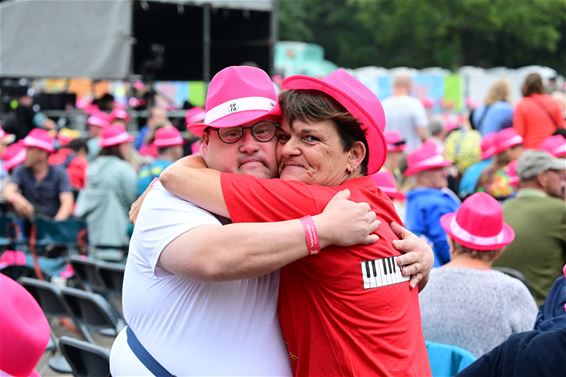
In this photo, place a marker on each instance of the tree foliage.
(424, 33)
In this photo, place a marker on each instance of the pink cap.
(394, 141)
(114, 135)
(487, 146)
(505, 139)
(168, 137)
(425, 157)
(555, 145)
(40, 138)
(24, 328)
(478, 224)
(194, 115)
(428, 103)
(511, 170)
(386, 182)
(14, 155)
(237, 96)
(361, 102)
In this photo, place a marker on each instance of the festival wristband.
(311, 235)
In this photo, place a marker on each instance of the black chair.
(86, 271)
(85, 359)
(10, 235)
(514, 274)
(112, 277)
(54, 238)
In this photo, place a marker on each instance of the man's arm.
(21, 205)
(66, 207)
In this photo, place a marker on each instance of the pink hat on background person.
(428, 103)
(478, 224)
(168, 137)
(425, 157)
(14, 155)
(555, 145)
(99, 119)
(24, 330)
(114, 134)
(236, 96)
(40, 139)
(119, 114)
(360, 102)
(487, 146)
(511, 170)
(194, 115)
(394, 141)
(386, 182)
(505, 139)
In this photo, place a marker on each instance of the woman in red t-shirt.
(347, 311)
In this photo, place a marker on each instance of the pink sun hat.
(168, 137)
(425, 157)
(98, 119)
(14, 155)
(478, 224)
(236, 96)
(394, 141)
(505, 139)
(40, 139)
(361, 102)
(24, 330)
(386, 182)
(487, 146)
(511, 170)
(114, 135)
(194, 115)
(555, 145)
(120, 114)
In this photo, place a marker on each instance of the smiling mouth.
(251, 162)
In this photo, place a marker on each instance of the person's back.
(405, 115)
(493, 118)
(115, 175)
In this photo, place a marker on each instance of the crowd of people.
(291, 240)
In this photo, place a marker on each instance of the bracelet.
(311, 235)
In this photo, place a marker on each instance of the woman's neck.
(466, 261)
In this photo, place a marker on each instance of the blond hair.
(500, 90)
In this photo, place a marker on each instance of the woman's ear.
(356, 155)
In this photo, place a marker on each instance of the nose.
(290, 148)
(248, 143)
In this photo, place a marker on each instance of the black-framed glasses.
(263, 132)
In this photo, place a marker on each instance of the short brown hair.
(532, 85)
(315, 106)
(484, 255)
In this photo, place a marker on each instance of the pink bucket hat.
(394, 141)
(505, 139)
(114, 135)
(386, 182)
(487, 146)
(478, 224)
(14, 155)
(361, 102)
(168, 137)
(194, 115)
(425, 157)
(24, 330)
(40, 138)
(555, 145)
(236, 96)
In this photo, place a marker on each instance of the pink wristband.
(311, 235)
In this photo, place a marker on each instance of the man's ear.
(204, 143)
(356, 155)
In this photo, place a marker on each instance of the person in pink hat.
(24, 330)
(13, 156)
(555, 145)
(396, 148)
(385, 180)
(330, 139)
(430, 198)
(37, 188)
(169, 144)
(5, 140)
(471, 176)
(467, 303)
(96, 122)
(494, 179)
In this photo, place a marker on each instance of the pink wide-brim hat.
(99, 119)
(505, 139)
(168, 137)
(40, 139)
(386, 182)
(358, 100)
(487, 146)
(119, 113)
(478, 224)
(425, 157)
(237, 96)
(14, 155)
(114, 135)
(24, 330)
(555, 145)
(194, 115)
(394, 141)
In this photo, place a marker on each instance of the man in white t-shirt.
(176, 298)
(405, 114)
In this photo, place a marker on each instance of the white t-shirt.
(405, 114)
(192, 327)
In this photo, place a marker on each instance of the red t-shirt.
(331, 325)
(536, 117)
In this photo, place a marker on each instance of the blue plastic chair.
(447, 360)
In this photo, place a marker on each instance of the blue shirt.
(471, 178)
(498, 116)
(148, 173)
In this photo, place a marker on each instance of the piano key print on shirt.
(381, 272)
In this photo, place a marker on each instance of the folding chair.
(447, 360)
(50, 236)
(514, 274)
(86, 359)
(86, 271)
(112, 277)
(10, 235)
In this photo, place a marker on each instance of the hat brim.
(508, 235)
(412, 171)
(129, 139)
(375, 139)
(235, 120)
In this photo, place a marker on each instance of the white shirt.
(192, 327)
(405, 114)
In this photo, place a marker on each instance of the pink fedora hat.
(555, 145)
(236, 96)
(487, 146)
(505, 139)
(120, 114)
(114, 135)
(386, 182)
(478, 224)
(168, 137)
(99, 119)
(24, 330)
(14, 155)
(425, 157)
(361, 102)
(40, 138)
(394, 141)
(511, 170)
(194, 115)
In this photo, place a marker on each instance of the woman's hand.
(417, 259)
